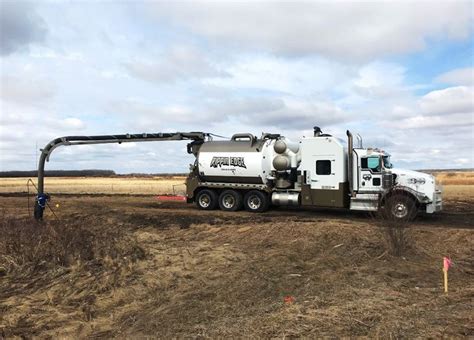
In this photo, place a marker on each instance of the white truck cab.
(377, 184)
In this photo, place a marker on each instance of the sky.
(399, 73)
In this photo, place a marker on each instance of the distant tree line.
(60, 173)
(165, 174)
(82, 173)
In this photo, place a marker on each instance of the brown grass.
(153, 185)
(131, 267)
(98, 185)
(218, 275)
(27, 243)
(455, 178)
(62, 267)
(458, 192)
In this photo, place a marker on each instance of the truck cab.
(358, 178)
(377, 184)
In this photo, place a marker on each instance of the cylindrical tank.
(286, 198)
(244, 159)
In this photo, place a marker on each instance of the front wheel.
(400, 208)
(256, 201)
(206, 199)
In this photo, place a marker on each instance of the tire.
(256, 201)
(206, 199)
(230, 200)
(400, 208)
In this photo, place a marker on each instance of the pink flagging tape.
(446, 263)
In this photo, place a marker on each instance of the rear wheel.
(401, 208)
(206, 199)
(230, 200)
(256, 201)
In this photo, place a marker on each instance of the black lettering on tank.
(228, 161)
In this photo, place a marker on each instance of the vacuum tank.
(246, 159)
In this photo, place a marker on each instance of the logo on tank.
(228, 161)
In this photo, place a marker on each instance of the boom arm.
(196, 137)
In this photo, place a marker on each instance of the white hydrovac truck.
(255, 173)
(318, 171)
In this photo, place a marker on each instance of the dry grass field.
(128, 266)
(98, 185)
(455, 184)
(455, 177)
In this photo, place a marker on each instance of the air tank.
(287, 155)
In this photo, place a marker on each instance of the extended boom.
(197, 139)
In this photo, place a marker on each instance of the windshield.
(386, 162)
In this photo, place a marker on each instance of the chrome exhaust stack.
(350, 162)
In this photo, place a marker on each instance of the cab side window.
(372, 163)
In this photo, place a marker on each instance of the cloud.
(345, 30)
(447, 108)
(263, 72)
(380, 80)
(460, 76)
(47, 123)
(139, 113)
(20, 26)
(26, 89)
(286, 113)
(255, 111)
(24, 131)
(458, 99)
(430, 122)
(178, 63)
(227, 67)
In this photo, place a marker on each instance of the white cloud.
(284, 112)
(459, 99)
(180, 62)
(293, 113)
(345, 30)
(428, 122)
(440, 109)
(48, 53)
(298, 76)
(27, 88)
(463, 161)
(238, 67)
(460, 76)
(70, 124)
(380, 80)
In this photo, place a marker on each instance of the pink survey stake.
(446, 263)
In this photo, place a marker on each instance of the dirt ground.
(115, 266)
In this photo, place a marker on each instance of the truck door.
(370, 174)
(321, 176)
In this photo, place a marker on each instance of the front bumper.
(437, 204)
